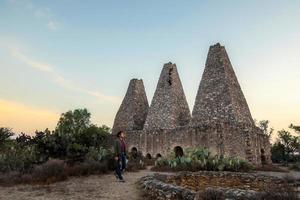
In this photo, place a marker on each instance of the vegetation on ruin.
(195, 159)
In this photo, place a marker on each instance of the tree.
(290, 143)
(73, 122)
(295, 128)
(264, 126)
(23, 139)
(277, 152)
(74, 135)
(5, 137)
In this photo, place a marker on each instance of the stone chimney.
(220, 98)
(169, 108)
(134, 108)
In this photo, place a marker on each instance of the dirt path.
(104, 187)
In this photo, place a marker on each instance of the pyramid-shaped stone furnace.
(221, 119)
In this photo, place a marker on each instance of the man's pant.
(121, 165)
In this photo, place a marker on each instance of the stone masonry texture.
(134, 108)
(221, 119)
(169, 108)
(190, 185)
(220, 98)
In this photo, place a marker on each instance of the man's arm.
(117, 150)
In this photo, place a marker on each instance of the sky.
(60, 55)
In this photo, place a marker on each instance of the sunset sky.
(65, 54)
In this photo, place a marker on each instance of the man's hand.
(116, 158)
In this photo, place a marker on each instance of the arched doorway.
(148, 156)
(263, 157)
(134, 152)
(178, 151)
(158, 155)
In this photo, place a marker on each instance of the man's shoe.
(116, 175)
(122, 180)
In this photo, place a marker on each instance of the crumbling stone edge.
(156, 187)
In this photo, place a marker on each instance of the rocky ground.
(104, 187)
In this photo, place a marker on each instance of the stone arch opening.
(263, 156)
(178, 151)
(134, 149)
(148, 156)
(158, 155)
(134, 152)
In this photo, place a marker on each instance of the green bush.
(195, 159)
(17, 159)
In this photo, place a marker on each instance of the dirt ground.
(104, 187)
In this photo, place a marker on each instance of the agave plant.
(202, 159)
(162, 162)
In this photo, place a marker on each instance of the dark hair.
(119, 133)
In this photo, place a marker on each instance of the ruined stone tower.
(134, 108)
(169, 108)
(221, 119)
(220, 98)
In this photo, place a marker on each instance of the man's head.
(121, 134)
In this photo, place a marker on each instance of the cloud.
(52, 25)
(60, 80)
(34, 64)
(42, 13)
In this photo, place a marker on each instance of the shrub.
(87, 168)
(10, 178)
(160, 162)
(135, 165)
(53, 171)
(97, 154)
(201, 159)
(49, 172)
(17, 159)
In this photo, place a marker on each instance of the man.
(120, 155)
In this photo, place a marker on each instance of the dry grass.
(53, 171)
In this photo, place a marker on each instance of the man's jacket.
(117, 147)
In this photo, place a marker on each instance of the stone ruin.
(221, 120)
(224, 185)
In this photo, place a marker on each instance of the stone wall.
(221, 139)
(190, 185)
